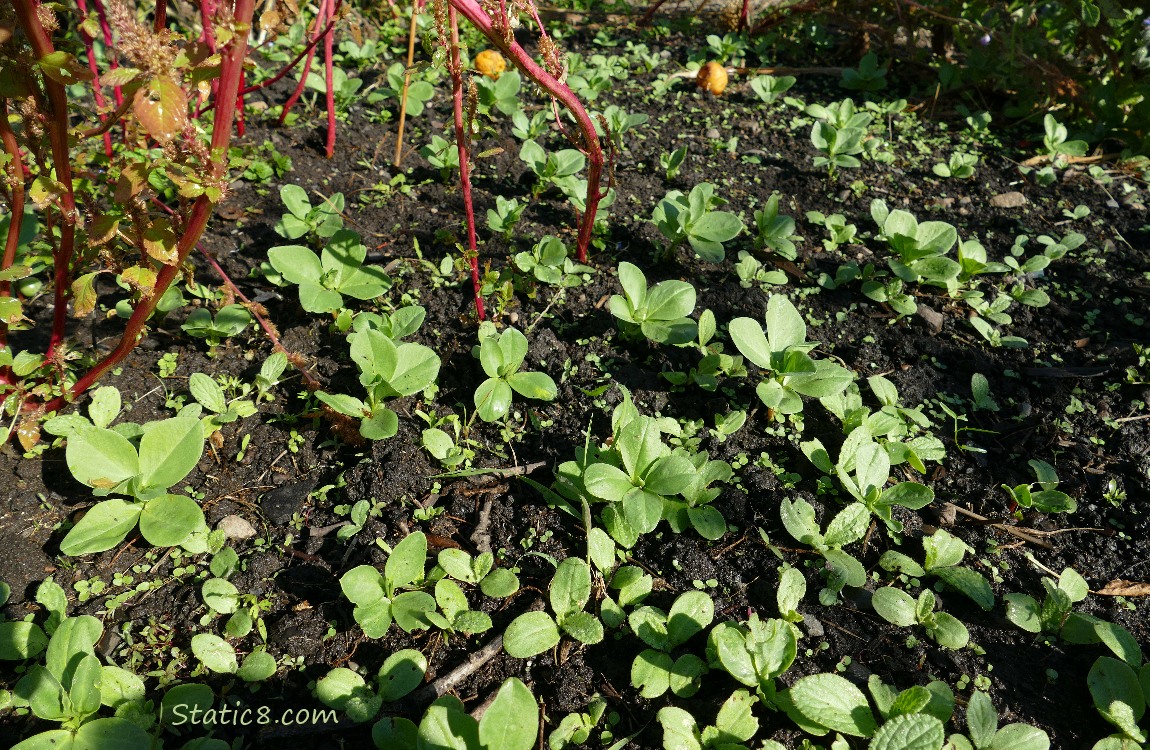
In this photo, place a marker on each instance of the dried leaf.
(162, 108)
(139, 278)
(160, 241)
(84, 295)
(28, 433)
(1120, 587)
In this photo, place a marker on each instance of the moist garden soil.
(1065, 399)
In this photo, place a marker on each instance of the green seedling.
(770, 88)
(501, 94)
(549, 263)
(344, 88)
(892, 292)
(479, 571)
(897, 607)
(921, 247)
(511, 722)
(849, 526)
(576, 728)
(839, 146)
(21, 640)
(823, 703)
(211, 396)
(755, 653)
(387, 370)
(660, 312)
(302, 218)
(935, 699)
(1046, 500)
(868, 76)
(338, 270)
(533, 633)
(347, 691)
(694, 511)
(219, 656)
(944, 553)
(270, 375)
(504, 216)
(502, 355)
(672, 161)
(792, 589)
(734, 725)
(1119, 690)
(863, 469)
(455, 615)
(692, 218)
(632, 584)
(442, 155)
(230, 320)
(712, 364)
(1056, 615)
(141, 462)
(377, 596)
(619, 123)
(728, 48)
(525, 129)
(396, 326)
(960, 165)
(1055, 140)
(449, 451)
(841, 232)
(419, 92)
(551, 169)
(774, 232)
(654, 671)
(752, 272)
(983, 732)
(71, 687)
(782, 352)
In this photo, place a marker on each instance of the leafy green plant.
(338, 270)
(570, 590)
(479, 571)
(551, 169)
(983, 732)
(442, 155)
(502, 355)
(302, 218)
(619, 123)
(921, 247)
(500, 94)
(660, 312)
(229, 320)
(387, 370)
(211, 396)
(504, 216)
(549, 263)
(840, 145)
(868, 76)
(1055, 140)
(654, 671)
(755, 653)
(672, 161)
(712, 364)
(897, 607)
(138, 461)
(863, 469)
(219, 656)
(774, 232)
(71, 687)
(576, 728)
(525, 129)
(734, 724)
(769, 88)
(839, 230)
(944, 553)
(1119, 689)
(782, 352)
(694, 511)
(1056, 612)
(511, 722)
(377, 597)
(1048, 499)
(419, 91)
(346, 690)
(692, 218)
(847, 527)
(960, 165)
(344, 88)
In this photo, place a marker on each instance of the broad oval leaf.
(102, 527)
(169, 520)
(831, 701)
(910, 732)
(537, 385)
(101, 458)
(401, 673)
(169, 450)
(530, 634)
(895, 606)
(670, 300)
(571, 587)
(511, 722)
(216, 653)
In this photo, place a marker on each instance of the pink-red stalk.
(328, 76)
(320, 16)
(16, 221)
(96, 90)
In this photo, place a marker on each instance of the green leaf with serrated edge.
(691, 613)
(407, 560)
(943, 549)
(216, 653)
(845, 567)
(895, 606)
(511, 722)
(833, 702)
(401, 673)
(102, 527)
(457, 564)
(981, 719)
(910, 701)
(910, 495)
(848, 526)
(651, 673)
(570, 587)
(970, 583)
(910, 732)
(208, 392)
(792, 589)
(817, 455)
(650, 624)
(51, 596)
(601, 550)
(169, 520)
(530, 634)
(897, 562)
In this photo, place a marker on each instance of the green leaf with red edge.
(161, 107)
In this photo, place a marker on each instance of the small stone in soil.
(235, 527)
(1013, 199)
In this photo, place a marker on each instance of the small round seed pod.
(490, 63)
(712, 77)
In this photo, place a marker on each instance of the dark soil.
(1066, 399)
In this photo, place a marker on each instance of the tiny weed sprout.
(377, 597)
(347, 691)
(944, 552)
(504, 216)
(672, 161)
(1047, 499)
(441, 155)
(229, 321)
(510, 722)
(502, 355)
(847, 527)
(338, 270)
(535, 632)
(418, 92)
(840, 134)
(1055, 140)
(576, 728)
(303, 219)
(770, 88)
(960, 165)
(211, 396)
(619, 123)
(692, 218)
(897, 607)
(659, 313)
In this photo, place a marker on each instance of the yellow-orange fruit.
(712, 77)
(490, 63)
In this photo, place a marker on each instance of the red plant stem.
(473, 12)
(310, 48)
(161, 19)
(328, 66)
(97, 92)
(106, 32)
(321, 14)
(461, 143)
(16, 199)
(61, 159)
(240, 108)
(207, 35)
(232, 61)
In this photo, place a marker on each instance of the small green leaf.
(831, 701)
(216, 653)
(511, 722)
(530, 634)
(169, 520)
(257, 666)
(102, 527)
(401, 673)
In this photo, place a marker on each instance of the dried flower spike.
(712, 77)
